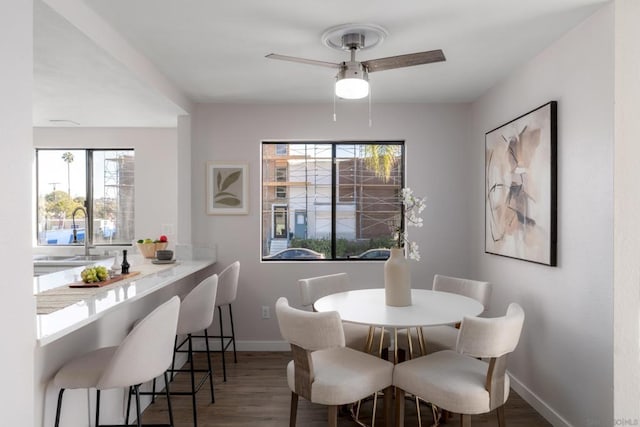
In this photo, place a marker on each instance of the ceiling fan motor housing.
(353, 70)
(352, 81)
(353, 41)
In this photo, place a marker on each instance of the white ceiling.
(214, 51)
(77, 82)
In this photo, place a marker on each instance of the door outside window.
(280, 222)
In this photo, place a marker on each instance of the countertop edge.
(186, 268)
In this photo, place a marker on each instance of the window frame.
(89, 183)
(334, 190)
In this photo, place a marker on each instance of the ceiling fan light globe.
(352, 88)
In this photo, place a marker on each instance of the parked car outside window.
(296, 253)
(381, 253)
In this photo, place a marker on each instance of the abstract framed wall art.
(520, 187)
(227, 188)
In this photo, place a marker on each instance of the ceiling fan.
(352, 80)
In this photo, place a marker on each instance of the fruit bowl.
(148, 250)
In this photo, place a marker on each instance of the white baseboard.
(538, 404)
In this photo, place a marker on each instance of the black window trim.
(88, 191)
(334, 143)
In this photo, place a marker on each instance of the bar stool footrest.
(129, 425)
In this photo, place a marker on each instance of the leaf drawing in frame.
(228, 188)
(227, 198)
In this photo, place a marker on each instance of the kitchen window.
(330, 200)
(100, 182)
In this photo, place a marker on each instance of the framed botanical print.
(227, 188)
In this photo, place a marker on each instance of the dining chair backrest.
(309, 330)
(478, 290)
(228, 284)
(197, 308)
(314, 288)
(147, 350)
(491, 337)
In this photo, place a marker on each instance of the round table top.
(429, 308)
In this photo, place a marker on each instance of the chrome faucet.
(87, 235)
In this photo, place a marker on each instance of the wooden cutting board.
(104, 282)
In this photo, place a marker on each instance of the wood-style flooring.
(256, 394)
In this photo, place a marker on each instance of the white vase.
(397, 279)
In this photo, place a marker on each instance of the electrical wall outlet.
(266, 312)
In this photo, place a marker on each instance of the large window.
(100, 182)
(330, 200)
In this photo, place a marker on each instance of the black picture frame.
(521, 187)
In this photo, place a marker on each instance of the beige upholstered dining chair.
(323, 370)
(459, 381)
(144, 354)
(444, 337)
(314, 288)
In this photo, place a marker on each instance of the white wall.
(183, 225)
(627, 213)
(565, 356)
(17, 308)
(156, 180)
(436, 166)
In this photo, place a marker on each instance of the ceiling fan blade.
(407, 60)
(302, 60)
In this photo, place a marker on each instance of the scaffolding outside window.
(102, 181)
(330, 200)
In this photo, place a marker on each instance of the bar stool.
(196, 314)
(227, 291)
(144, 354)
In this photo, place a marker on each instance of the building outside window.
(330, 200)
(101, 181)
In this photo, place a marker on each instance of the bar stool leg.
(193, 384)
(173, 366)
(136, 388)
(153, 395)
(168, 394)
(126, 420)
(224, 366)
(97, 407)
(233, 336)
(173, 360)
(59, 407)
(206, 340)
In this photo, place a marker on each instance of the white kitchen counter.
(53, 326)
(99, 320)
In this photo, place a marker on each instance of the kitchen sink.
(45, 264)
(67, 260)
(51, 257)
(90, 257)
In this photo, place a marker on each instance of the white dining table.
(428, 308)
